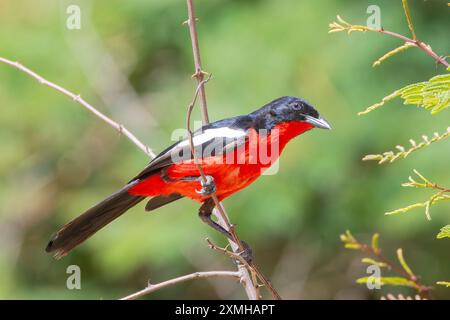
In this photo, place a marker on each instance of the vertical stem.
(199, 73)
(219, 212)
(408, 18)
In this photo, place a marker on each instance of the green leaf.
(391, 156)
(444, 283)
(444, 233)
(389, 281)
(375, 241)
(408, 18)
(403, 263)
(432, 95)
(349, 241)
(374, 262)
(403, 47)
(353, 246)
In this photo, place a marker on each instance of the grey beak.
(318, 122)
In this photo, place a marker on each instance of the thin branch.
(222, 217)
(197, 162)
(421, 288)
(247, 282)
(408, 18)
(196, 275)
(391, 156)
(199, 75)
(404, 271)
(188, 126)
(419, 44)
(343, 25)
(200, 91)
(265, 282)
(77, 98)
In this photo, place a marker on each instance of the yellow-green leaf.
(375, 240)
(374, 262)
(432, 95)
(403, 263)
(444, 283)
(444, 233)
(389, 281)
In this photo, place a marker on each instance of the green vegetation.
(133, 61)
(433, 95)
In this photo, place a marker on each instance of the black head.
(286, 109)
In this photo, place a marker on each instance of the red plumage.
(229, 178)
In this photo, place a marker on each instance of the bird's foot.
(208, 186)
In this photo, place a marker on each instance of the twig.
(77, 98)
(405, 272)
(199, 75)
(200, 92)
(342, 25)
(417, 43)
(196, 275)
(247, 282)
(408, 18)
(425, 183)
(225, 251)
(200, 169)
(266, 282)
(391, 156)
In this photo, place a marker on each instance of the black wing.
(213, 139)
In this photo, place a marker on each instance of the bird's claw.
(208, 186)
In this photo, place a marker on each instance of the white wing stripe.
(211, 134)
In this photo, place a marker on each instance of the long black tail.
(81, 228)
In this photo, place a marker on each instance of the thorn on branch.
(188, 21)
(199, 74)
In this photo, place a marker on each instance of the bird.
(232, 153)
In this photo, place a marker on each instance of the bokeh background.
(133, 61)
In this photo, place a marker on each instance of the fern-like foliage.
(432, 95)
(342, 25)
(442, 194)
(444, 283)
(389, 54)
(444, 233)
(402, 152)
(404, 277)
(390, 281)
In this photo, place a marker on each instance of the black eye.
(296, 106)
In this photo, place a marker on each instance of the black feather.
(160, 201)
(95, 218)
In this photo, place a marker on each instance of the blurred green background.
(133, 61)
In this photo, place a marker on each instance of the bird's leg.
(247, 252)
(205, 212)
